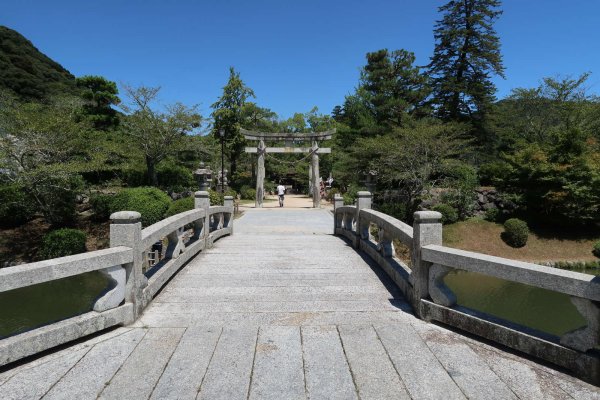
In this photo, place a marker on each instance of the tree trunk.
(151, 171)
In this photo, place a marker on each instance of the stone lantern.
(224, 184)
(369, 180)
(203, 177)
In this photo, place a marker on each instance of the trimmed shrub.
(151, 202)
(63, 242)
(492, 214)
(596, 249)
(174, 177)
(248, 193)
(15, 206)
(515, 232)
(179, 206)
(101, 205)
(350, 195)
(449, 213)
(216, 199)
(134, 177)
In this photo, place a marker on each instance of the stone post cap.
(125, 217)
(363, 194)
(427, 216)
(201, 194)
(226, 197)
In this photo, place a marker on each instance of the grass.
(543, 245)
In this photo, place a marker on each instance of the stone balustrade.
(422, 283)
(123, 262)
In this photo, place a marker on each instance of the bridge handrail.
(554, 279)
(422, 283)
(34, 273)
(157, 231)
(123, 262)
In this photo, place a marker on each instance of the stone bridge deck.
(284, 310)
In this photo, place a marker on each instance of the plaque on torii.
(290, 139)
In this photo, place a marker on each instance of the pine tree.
(227, 115)
(466, 54)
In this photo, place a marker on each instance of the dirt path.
(291, 201)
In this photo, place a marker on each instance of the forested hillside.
(27, 72)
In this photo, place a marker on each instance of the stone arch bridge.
(297, 304)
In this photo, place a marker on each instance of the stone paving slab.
(278, 371)
(281, 310)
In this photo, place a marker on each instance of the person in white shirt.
(280, 192)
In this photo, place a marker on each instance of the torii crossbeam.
(289, 139)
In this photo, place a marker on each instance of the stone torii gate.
(289, 138)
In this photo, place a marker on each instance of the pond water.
(533, 307)
(30, 307)
(34, 306)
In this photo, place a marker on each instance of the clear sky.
(293, 54)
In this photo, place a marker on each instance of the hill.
(27, 72)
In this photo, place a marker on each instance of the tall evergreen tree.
(393, 85)
(466, 55)
(227, 115)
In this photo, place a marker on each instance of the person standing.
(280, 193)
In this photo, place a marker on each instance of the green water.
(30, 307)
(533, 307)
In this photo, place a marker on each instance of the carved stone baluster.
(116, 295)
(585, 338)
(439, 292)
(348, 219)
(176, 245)
(385, 243)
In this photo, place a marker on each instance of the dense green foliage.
(516, 232)
(15, 206)
(27, 73)
(466, 54)
(152, 203)
(101, 206)
(449, 213)
(62, 242)
(100, 94)
(596, 249)
(179, 206)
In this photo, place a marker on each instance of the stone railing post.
(202, 201)
(338, 201)
(228, 218)
(363, 201)
(126, 230)
(427, 229)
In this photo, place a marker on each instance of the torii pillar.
(316, 188)
(260, 174)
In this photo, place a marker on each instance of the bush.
(179, 206)
(134, 177)
(62, 242)
(515, 232)
(330, 196)
(216, 199)
(174, 177)
(350, 195)
(15, 206)
(148, 201)
(449, 214)
(248, 193)
(596, 249)
(493, 214)
(101, 205)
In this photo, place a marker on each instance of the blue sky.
(294, 54)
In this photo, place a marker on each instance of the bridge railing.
(422, 283)
(124, 264)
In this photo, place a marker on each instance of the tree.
(466, 54)
(100, 95)
(227, 116)
(549, 150)
(393, 86)
(43, 149)
(157, 134)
